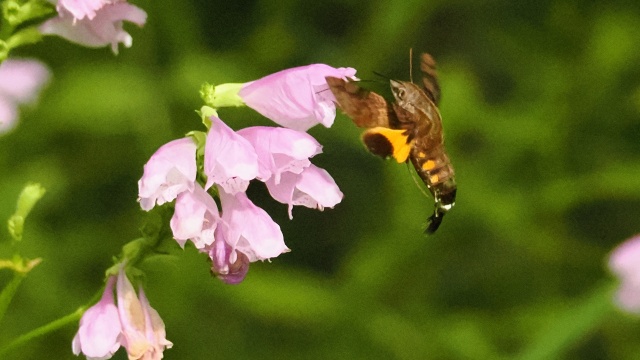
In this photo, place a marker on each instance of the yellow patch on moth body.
(434, 179)
(428, 165)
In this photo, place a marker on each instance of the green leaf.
(29, 196)
(26, 36)
(17, 13)
(4, 51)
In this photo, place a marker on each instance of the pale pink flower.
(229, 159)
(20, 83)
(195, 218)
(280, 150)
(8, 114)
(313, 188)
(154, 329)
(228, 265)
(297, 98)
(142, 328)
(250, 230)
(99, 333)
(103, 28)
(170, 171)
(82, 8)
(132, 324)
(625, 263)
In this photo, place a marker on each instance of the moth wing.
(430, 77)
(366, 108)
(406, 119)
(387, 142)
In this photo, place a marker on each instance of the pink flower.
(154, 329)
(195, 218)
(143, 332)
(170, 171)
(99, 333)
(249, 229)
(280, 150)
(313, 188)
(297, 98)
(95, 27)
(228, 265)
(82, 8)
(229, 159)
(133, 324)
(625, 263)
(20, 82)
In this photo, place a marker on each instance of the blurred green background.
(541, 110)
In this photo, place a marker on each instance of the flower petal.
(20, 83)
(296, 98)
(170, 171)
(625, 263)
(21, 79)
(105, 28)
(99, 333)
(229, 159)
(250, 229)
(132, 318)
(317, 187)
(82, 8)
(313, 188)
(154, 328)
(8, 115)
(228, 265)
(280, 150)
(195, 218)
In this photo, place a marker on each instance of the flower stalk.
(42, 330)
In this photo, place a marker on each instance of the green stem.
(52, 326)
(43, 330)
(574, 324)
(5, 30)
(8, 292)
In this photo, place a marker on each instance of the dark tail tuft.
(433, 223)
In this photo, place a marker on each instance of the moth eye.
(401, 93)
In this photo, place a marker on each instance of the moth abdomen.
(433, 165)
(436, 171)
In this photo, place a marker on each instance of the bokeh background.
(541, 109)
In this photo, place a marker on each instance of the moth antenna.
(411, 64)
(371, 80)
(386, 77)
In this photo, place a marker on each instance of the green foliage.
(541, 109)
(29, 196)
(16, 18)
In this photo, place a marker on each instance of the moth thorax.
(406, 93)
